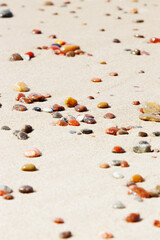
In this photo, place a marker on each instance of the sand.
(69, 183)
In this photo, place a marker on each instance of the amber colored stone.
(156, 223)
(80, 108)
(32, 152)
(52, 36)
(57, 107)
(2, 193)
(136, 103)
(71, 102)
(29, 167)
(141, 192)
(79, 52)
(151, 107)
(118, 149)
(61, 123)
(104, 165)
(67, 234)
(19, 107)
(21, 87)
(19, 96)
(36, 97)
(36, 31)
(137, 178)
(26, 100)
(60, 42)
(73, 122)
(68, 48)
(96, 80)
(109, 116)
(70, 54)
(16, 57)
(103, 105)
(58, 220)
(105, 235)
(114, 74)
(8, 197)
(150, 117)
(91, 97)
(112, 130)
(48, 3)
(133, 217)
(124, 164)
(134, 10)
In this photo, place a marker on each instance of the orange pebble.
(124, 164)
(96, 80)
(104, 165)
(32, 152)
(112, 130)
(156, 223)
(105, 235)
(2, 193)
(73, 122)
(137, 178)
(59, 42)
(141, 192)
(114, 74)
(71, 102)
(62, 123)
(118, 149)
(58, 220)
(19, 96)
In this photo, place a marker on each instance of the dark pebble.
(5, 128)
(26, 189)
(38, 109)
(142, 134)
(67, 234)
(16, 57)
(22, 136)
(27, 129)
(86, 131)
(6, 13)
(116, 40)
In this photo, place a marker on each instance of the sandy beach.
(69, 182)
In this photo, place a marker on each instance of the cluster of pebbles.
(149, 111)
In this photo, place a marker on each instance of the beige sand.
(69, 183)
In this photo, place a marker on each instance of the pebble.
(118, 205)
(150, 117)
(21, 87)
(109, 116)
(5, 189)
(16, 57)
(57, 107)
(47, 110)
(8, 197)
(57, 115)
(135, 102)
(96, 80)
(5, 128)
(29, 167)
(64, 235)
(112, 130)
(103, 105)
(122, 132)
(105, 235)
(135, 190)
(117, 175)
(22, 135)
(104, 165)
(37, 109)
(89, 120)
(116, 163)
(124, 163)
(142, 147)
(73, 122)
(6, 13)
(71, 102)
(86, 131)
(19, 107)
(32, 152)
(113, 74)
(72, 132)
(133, 217)
(36, 31)
(80, 108)
(27, 129)
(142, 134)
(118, 149)
(58, 220)
(156, 223)
(137, 178)
(151, 107)
(48, 3)
(26, 189)
(116, 40)
(136, 52)
(91, 97)
(68, 48)
(156, 134)
(80, 118)
(20, 95)
(61, 123)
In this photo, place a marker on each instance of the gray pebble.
(5, 188)
(5, 128)
(156, 134)
(86, 131)
(72, 131)
(139, 199)
(22, 136)
(116, 163)
(117, 175)
(57, 115)
(118, 205)
(142, 147)
(122, 132)
(6, 13)
(15, 132)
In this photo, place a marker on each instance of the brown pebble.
(124, 164)
(142, 134)
(114, 74)
(96, 80)
(80, 108)
(133, 217)
(27, 129)
(58, 220)
(103, 105)
(29, 167)
(67, 234)
(104, 165)
(109, 116)
(16, 57)
(48, 3)
(135, 102)
(19, 107)
(91, 97)
(26, 189)
(8, 197)
(36, 31)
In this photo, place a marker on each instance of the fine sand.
(69, 183)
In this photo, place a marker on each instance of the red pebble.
(54, 47)
(19, 96)
(30, 54)
(124, 164)
(73, 122)
(58, 220)
(61, 123)
(141, 192)
(36, 31)
(141, 110)
(118, 149)
(114, 74)
(133, 217)
(2, 193)
(156, 223)
(154, 40)
(136, 103)
(105, 235)
(112, 130)
(57, 107)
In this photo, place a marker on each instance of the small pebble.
(142, 134)
(80, 108)
(156, 134)
(64, 235)
(16, 57)
(137, 178)
(29, 167)
(109, 116)
(142, 147)
(124, 163)
(117, 175)
(133, 217)
(113, 74)
(57, 115)
(104, 165)
(136, 52)
(26, 189)
(36, 31)
(118, 149)
(8, 197)
(86, 131)
(116, 40)
(19, 107)
(103, 105)
(5, 128)
(122, 132)
(6, 13)
(135, 102)
(37, 109)
(22, 135)
(33, 152)
(21, 87)
(91, 97)
(58, 220)
(5, 189)
(96, 80)
(47, 110)
(105, 235)
(116, 163)
(27, 129)
(71, 102)
(118, 205)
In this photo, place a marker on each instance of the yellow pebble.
(71, 102)
(21, 87)
(59, 42)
